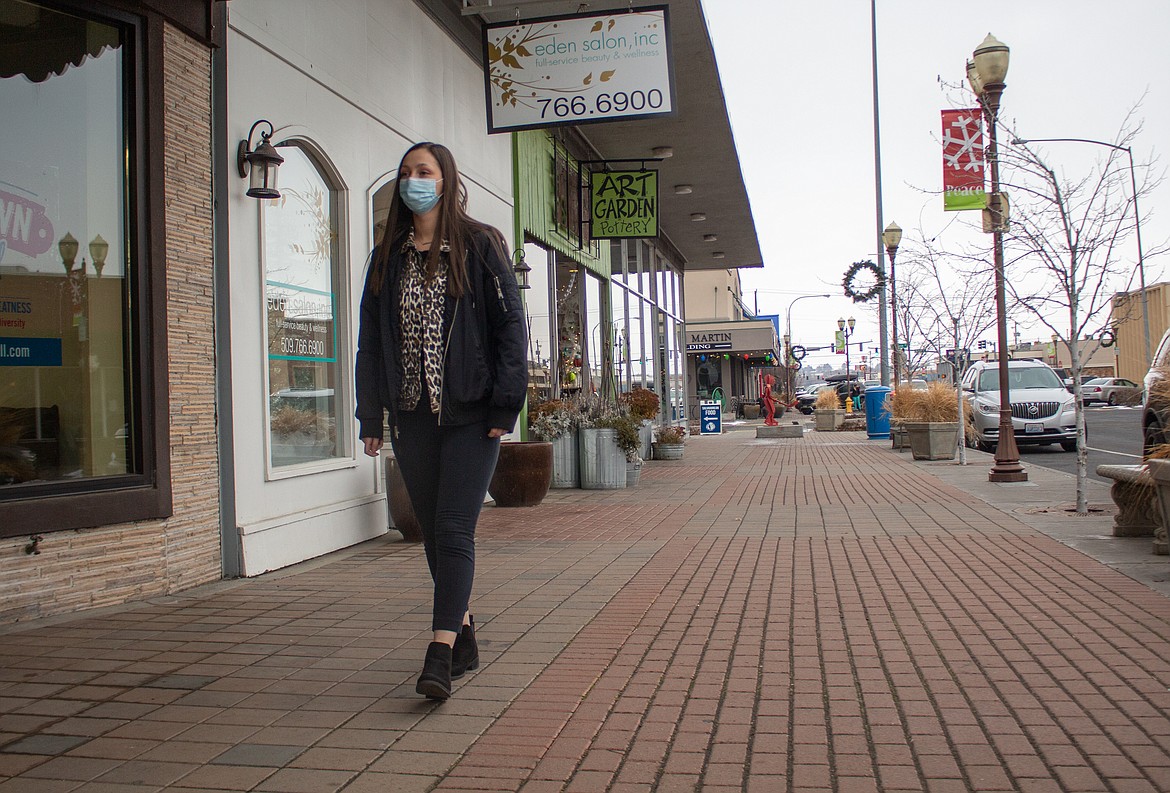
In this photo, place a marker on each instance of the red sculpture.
(769, 401)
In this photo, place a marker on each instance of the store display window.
(71, 412)
(301, 286)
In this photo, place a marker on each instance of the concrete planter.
(899, 440)
(603, 466)
(829, 419)
(751, 411)
(933, 440)
(1160, 473)
(566, 465)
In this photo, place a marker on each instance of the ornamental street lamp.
(986, 72)
(846, 328)
(891, 238)
(1137, 220)
(788, 343)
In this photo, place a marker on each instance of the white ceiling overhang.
(699, 135)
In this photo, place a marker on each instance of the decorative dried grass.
(1160, 387)
(903, 404)
(938, 403)
(827, 399)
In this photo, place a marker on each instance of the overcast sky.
(797, 80)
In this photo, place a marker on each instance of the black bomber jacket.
(485, 364)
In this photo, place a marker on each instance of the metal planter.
(603, 466)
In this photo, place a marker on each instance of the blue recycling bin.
(877, 418)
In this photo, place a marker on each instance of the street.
(1114, 437)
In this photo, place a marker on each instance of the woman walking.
(441, 349)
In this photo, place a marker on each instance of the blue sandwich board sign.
(710, 417)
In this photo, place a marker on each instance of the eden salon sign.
(578, 69)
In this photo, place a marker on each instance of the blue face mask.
(419, 195)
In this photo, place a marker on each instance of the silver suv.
(1043, 411)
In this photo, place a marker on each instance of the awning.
(40, 43)
(699, 136)
(754, 337)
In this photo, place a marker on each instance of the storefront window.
(598, 333)
(301, 271)
(69, 418)
(621, 345)
(648, 346)
(570, 347)
(537, 299)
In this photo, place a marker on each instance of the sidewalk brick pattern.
(792, 615)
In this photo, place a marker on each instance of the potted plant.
(601, 460)
(828, 411)
(643, 405)
(628, 441)
(933, 432)
(669, 442)
(523, 473)
(555, 421)
(903, 405)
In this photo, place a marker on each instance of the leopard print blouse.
(421, 305)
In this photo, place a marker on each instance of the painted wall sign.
(624, 204)
(578, 69)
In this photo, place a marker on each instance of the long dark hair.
(455, 226)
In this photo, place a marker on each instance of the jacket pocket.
(468, 377)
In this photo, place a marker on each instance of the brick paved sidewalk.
(804, 615)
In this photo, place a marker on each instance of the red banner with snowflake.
(962, 137)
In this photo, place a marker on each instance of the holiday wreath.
(863, 295)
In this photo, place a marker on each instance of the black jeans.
(446, 470)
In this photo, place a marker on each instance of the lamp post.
(891, 238)
(846, 328)
(788, 342)
(1137, 220)
(986, 72)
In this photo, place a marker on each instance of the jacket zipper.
(446, 347)
(500, 292)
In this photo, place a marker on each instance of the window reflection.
(65, 394)
(537, 299)
(301, 286)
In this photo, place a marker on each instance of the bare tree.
(938, 293)
(1069, 248)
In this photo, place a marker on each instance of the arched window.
(302, 285)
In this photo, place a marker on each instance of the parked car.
(1043, 411)
(1156, 410)
(1068, 381)
(1104, 389)
(804, 401)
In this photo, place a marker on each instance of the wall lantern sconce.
(259, 163)
(522, 270)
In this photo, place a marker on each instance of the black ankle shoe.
(465, 653)
(435, 680)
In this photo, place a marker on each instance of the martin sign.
(703, 342)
